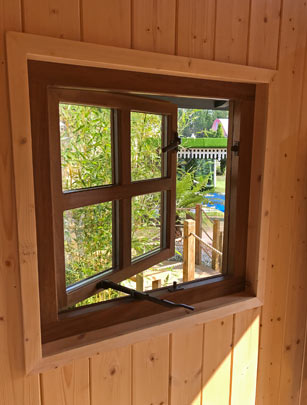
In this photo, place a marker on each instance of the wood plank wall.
(214, 363)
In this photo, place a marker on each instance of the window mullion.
(124, 178)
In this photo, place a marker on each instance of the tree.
(220, 132)
(198, 122)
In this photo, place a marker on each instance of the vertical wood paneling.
(107, 22)
(111, 378)
(15, 388)
(296, 310)
(196, 28)
(154, 25)
(230, 39)
(264, 33)
(245, 357)
(55, 18)
(150, 372)
(68, 385)
(186, 366)
(285, 270)
(231, 31)
(217, 362)
(303, 393)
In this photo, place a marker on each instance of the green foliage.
(198, 122)
(204, 142)
(145, 235)
(190, 190)
(85, 146)
(220, 132)
(145, 146)
(223, 166)
(87, 241)
(86, 153)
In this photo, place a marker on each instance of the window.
(106, 180)
(96, 182)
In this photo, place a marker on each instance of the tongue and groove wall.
(253, 357)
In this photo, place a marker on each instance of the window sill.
(64, 350)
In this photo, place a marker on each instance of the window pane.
(145, 224)
(87, 241)
(86, 151)
(146, 143)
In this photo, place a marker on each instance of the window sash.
(120, 192)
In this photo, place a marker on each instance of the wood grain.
(231, 31)
(196, 28)
(284, 270)
(186, 366)
(107, 22)
(111, 377)
(150, 371)
(264, 33)
(68, 385)
(14, 387)
(245, 357)
(154, 25)
(55, 18)
(296, 310)
(284, 310)
(216, 377)
(189, 250)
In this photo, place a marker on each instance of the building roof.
(223, 122)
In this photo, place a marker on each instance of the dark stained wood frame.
(120, 192)
(44, 76)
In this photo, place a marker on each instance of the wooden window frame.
(47, 168)
(244, 292)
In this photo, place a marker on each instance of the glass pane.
(201, 187)
(146, 143)
(86, 151)
(145, 224)
(87, 241)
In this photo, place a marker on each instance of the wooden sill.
(57, 353)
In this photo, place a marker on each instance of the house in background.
(223, 122)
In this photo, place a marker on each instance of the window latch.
(105, 284)
(173, 145)
(235, 148)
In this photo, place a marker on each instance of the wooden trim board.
(24, 47)
(59, 353)
(48, 49)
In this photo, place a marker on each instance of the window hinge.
(105, 284)
(173, 145)
(236, 148)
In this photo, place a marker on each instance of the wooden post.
(215, 244)
(140, 282)
(198, 227)
(188, 250)
(156, 284)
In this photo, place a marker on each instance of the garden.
(86, 160)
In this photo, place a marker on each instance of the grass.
(220, 184)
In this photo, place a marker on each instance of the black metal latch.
(236, 148)
(105, 284)
(173, 145)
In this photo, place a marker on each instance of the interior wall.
(214, 363)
